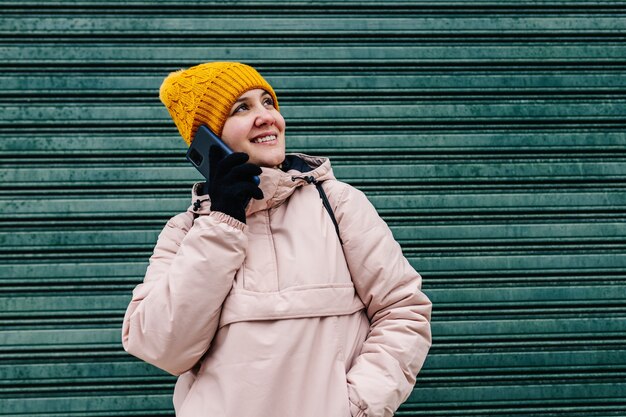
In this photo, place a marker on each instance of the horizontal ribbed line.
(84, 275)
(433, 280)
(317, 105)
(69, 356)
(97, 305)
(508, 376)
(396, 218)
(485, 250)
(151, 412)
(42, 321)
(13, 159)
(146, 141)
(464, 312)
(86, 190)
(445, 266)
(131, 387)
(414, 242)
(47, 257)
(525, 408)
(339, 65)
(477, 313)
(325, 126)
(222, 25)
(418, 112)
(370, 187)
(505, 380)
(294, 55)
(349, 6)
(481, 136)
(29, 356)
(505, 375)
(510, 94)
(466, 87)
(485, 96)
(570, 394)
(511, 233)
(115, 352)
(94, 389)
(111, 306)
(50, 353)
(26, 222)
(341, 157)
(494, 280)
(525, 362)
(427, 376)
(472, 335)
(165, 410)
(473, 248)
(417, 245)
(293, 82)
(585, 155)
(476, 346)
(348, 38)
(403, 171)
(293, 87)
(409, 183)
(41, 287)
(587, 164)
(442, 116)
(554, 275)
(337, 68)
(346, 55)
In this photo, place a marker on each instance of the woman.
(253, 297)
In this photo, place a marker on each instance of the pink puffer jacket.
(274, 318)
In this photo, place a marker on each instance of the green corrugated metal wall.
(490, 135)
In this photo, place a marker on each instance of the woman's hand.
(231, 183)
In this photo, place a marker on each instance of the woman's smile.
(266, 139)
(256, 127)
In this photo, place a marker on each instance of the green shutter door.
(490, 135)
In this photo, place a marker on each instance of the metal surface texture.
(490, 135)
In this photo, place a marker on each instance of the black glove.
(231, 183)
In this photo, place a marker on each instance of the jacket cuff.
(225, 218)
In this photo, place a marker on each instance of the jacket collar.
(277, 185)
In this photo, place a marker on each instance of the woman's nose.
(264, 116)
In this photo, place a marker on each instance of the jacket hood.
(277, 185)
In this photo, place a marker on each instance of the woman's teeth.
(268, 138)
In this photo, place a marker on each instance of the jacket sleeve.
(174, 313)
(383, 375)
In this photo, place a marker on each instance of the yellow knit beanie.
(205, 93)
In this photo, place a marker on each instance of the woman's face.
(255, 127)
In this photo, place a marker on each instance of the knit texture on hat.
(205, 93)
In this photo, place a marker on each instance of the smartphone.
(198, 153)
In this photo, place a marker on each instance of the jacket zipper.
(273, 244)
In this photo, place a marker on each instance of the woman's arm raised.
(174, 313)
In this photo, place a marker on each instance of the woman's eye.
(240, 108)
(269, 101)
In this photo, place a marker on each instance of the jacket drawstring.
(197, 204)
(311, 180)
